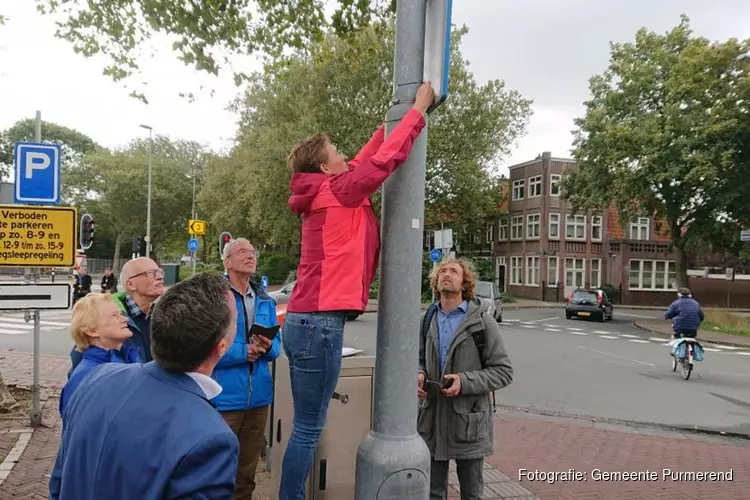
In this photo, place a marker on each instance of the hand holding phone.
(450, 385)
(262, 331)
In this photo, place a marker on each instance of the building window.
(639, 229)
(596, 228)
(533, 226)
(552, 273)
(516, 270)
(490, 233)
(596, 273)
(535, 186)
(652, 275)
(518, 189)
(575, 227)
(554, 184)
(502, 233)
(516, 228)
(574, 271)
(532, 271)
(554, 226)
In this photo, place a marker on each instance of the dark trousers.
(470, 479)
(249, 426)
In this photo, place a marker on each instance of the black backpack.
(479, 339)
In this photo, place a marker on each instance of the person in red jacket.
(340, 247)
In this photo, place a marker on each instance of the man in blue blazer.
(243, 372)
(149, 431)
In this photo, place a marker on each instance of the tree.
(665, 135)
(342, 86)
(74, 145)
(206, 34)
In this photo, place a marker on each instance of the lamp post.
(148, 203)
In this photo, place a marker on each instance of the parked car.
(487, 291)
(589, 304)
(282, 295)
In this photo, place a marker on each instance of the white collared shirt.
(209, 386)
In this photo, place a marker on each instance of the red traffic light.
(227, 238)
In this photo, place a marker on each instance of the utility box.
(348, 423)
(171, 273)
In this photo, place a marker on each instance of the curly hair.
(469, 284)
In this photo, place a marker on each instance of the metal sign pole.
(36, 410)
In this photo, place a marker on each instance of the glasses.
(151, 273)
(247, 253)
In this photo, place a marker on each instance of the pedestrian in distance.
(148, 431)
(99, 330)
(82, 286)
(339, 257)
(144, 284)
(462, 360)
(243, 371)
(109, 281)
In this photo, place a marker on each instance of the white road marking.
(639, 341)
(540, 320)
(552, 326)
(628, 336)
(528, 326)
(574, 329)
(602, 332)
(14, 332)
(640, 316)
(551, 330)
(618, 357)
(578, 333)
(743, 353)
(658, 339)
(607, 337)
(711, 349)
(727, 347)
(43, 323)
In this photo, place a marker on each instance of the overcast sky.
(546, 49)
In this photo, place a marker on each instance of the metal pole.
(193, 254)
(36, 411)
(393, 461)
(148, 205)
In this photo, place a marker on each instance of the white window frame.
(641, 224)
(519, 188)
(669, 275)
(596, 265)
(535, 186)
(536, 224)
(597, 222)
(516, 228)
(502, 229)
(516, 271)
(553, 280)
(557, 223)
(489, 234)
(574, 270)
(554, 184)
(532, 271)
(575, 221)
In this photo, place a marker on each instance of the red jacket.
(340, 234)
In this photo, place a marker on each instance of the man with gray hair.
(149, 431)
(143, 282)
(243, 371)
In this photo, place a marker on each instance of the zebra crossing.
(15, 324)
(515, 325)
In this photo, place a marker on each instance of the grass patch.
(723, 321)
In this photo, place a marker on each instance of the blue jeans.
(312, 343)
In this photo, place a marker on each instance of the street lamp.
(148, 203)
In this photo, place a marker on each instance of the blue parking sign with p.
(37, 173)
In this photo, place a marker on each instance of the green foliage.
(343, 87)
(612, 292)
(186, 270)
(485, 270)
(665, 134)
(508, 298)
(206, 34)
(276, 266)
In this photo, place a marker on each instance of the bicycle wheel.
(687, 368)
(674, 364)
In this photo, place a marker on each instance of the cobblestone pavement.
(555, 445)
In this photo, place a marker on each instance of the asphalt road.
(571, 367)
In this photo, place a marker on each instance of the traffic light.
(224, 238)
(136, 244)
(86, 235)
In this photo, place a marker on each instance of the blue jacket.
(93, 357)
(138, 431)
(247, 385)
(141, 338)
(686, 314)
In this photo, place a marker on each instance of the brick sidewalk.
(545, 444)
(665, 328)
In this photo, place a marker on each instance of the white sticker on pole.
(437, 47)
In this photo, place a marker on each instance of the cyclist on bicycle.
(686, 315)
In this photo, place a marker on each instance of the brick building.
(544, 251)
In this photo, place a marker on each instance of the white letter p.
(35, 161)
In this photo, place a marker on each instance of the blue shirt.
(447, 324)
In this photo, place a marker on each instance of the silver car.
(488, 292)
